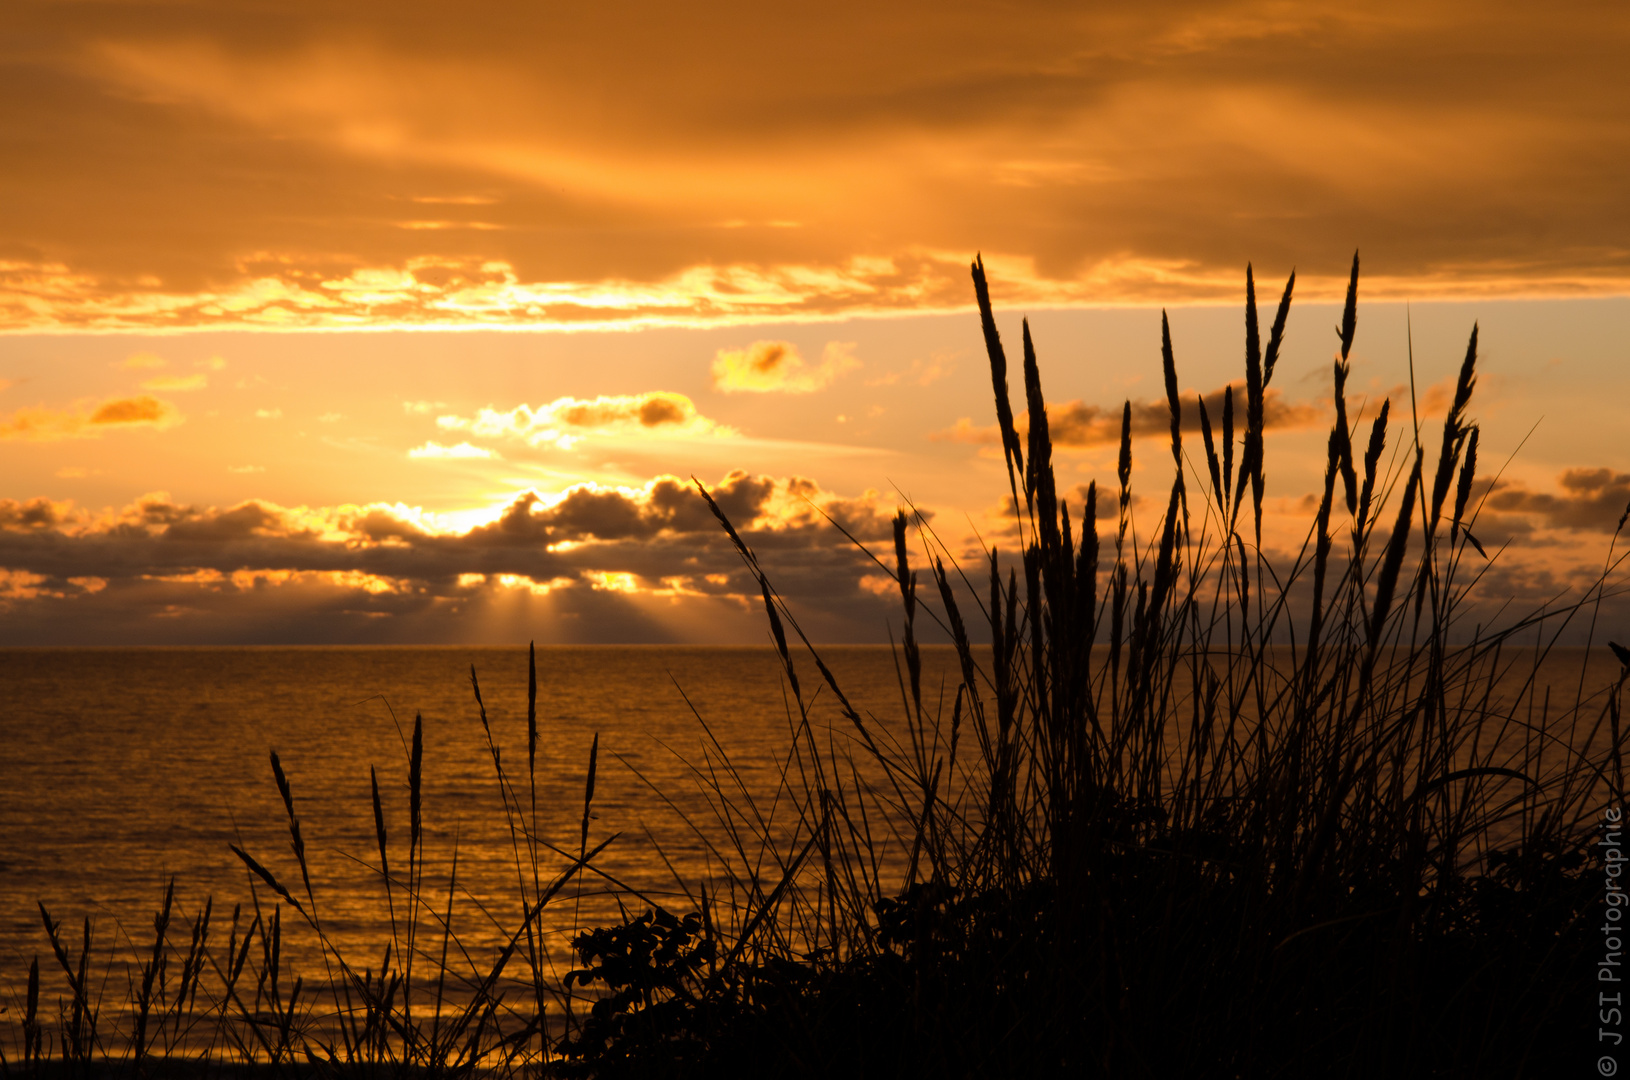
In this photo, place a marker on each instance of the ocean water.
(123, 768)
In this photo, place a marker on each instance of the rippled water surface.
(122, 767)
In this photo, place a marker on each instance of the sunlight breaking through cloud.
(434, 292)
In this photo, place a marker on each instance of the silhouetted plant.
(1169, 845)
(650, 1015)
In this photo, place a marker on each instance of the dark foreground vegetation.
(1189, 813)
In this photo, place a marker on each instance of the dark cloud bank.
(653, 565)
(597, 565)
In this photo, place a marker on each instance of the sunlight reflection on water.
(122, 767)
(125, 766)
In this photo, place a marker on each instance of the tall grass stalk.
(1222, 813)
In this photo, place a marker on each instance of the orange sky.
(577, 252)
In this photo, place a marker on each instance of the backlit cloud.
(90, 419)
(769, 366)
(35, 514)
(462, 450)
(920, 373)
(175, 383)
(1587, 500)
(426, 168)
(158, 558)
(167, 570)
(566, 420)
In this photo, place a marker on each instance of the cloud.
(1590, 499)
(35, 514)
(176, 382)
(1191, 139)
(920, 373)
(566, 420)
(964, 431)
(770, 366)
(137, 410)
(1075, 423)
(143, 361)
(269, 414)
(422, 408)
(643, 562)
(656, 543)
(462, 450)
(88, 420)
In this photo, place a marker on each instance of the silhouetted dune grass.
(1191, 812)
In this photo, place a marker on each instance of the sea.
(123, 770)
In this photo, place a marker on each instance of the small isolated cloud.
(1076, 423)
(422, 408)
(964, 431)
(776, 366)
(214, 363)
(176, 382)
(88, 420)
(330, 418)
(76, 472)
(246, 468)
(143, 361)
(564, 421)
(462, 450)
(269, 414)
(920, 373)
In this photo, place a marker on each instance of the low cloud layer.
(593, 563)
(1589, 500)
(599, 550)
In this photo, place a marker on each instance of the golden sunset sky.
(410, 322)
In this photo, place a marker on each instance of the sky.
(409, 323)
